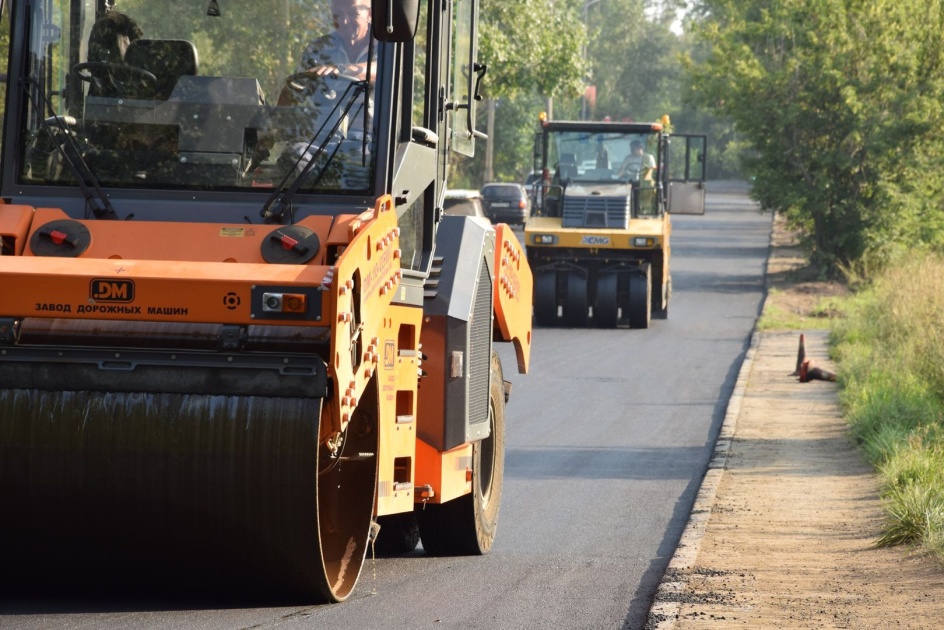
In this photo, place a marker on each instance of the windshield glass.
(200, 94)
(593, 156)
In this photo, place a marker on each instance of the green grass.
(776, 317)
(889, 345)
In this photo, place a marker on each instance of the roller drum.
(161, 485)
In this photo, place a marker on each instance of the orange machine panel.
(14, 225)
(360, 291)
(513, 287)
(195, 242)
(147, 290)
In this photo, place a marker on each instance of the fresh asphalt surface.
(608, 438)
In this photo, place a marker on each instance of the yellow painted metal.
(655, 228)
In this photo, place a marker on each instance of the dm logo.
(105, 290)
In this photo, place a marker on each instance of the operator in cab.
(638, 165)
(328, 70)
(345, 50)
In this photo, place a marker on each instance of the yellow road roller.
(598, 238)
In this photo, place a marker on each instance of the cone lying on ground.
(809, 372)
(801, 355)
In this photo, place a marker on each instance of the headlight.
(544, 239)
(284, 303)
(643, 241)
(273, 302)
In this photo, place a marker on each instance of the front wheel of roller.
(467, 525)
(606, 308)
(227, 493)
(577, 307)
(545, 299)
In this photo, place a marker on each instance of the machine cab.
(656, 170)
(216, 111)
(184, 96)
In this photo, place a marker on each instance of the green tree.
(636, 59)
(841, 103)
(532, 46)
(533, 52)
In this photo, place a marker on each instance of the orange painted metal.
(192, 242)
(14, 226)
(359, 296)
(397, 388)
(446, 472)
(166, 291)
(513, 287)
(168, 272)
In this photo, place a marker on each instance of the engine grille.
(480, 349)
(597, 212)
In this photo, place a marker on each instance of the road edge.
(664, 611)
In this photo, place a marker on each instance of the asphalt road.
(608, 438)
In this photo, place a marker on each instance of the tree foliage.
(533, 52)
(531, 46)
(635, 58)
(841, 103)
(542, 51)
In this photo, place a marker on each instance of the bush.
(891, 350)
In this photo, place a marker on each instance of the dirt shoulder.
(783, 531)
(796, 296)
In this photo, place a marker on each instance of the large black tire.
(399, 534)
(640, 297)
(467, 525)
(576, 306)
(545, 299)
(606, 307)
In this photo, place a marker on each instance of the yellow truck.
(598, 239)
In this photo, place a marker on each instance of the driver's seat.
(166, 59)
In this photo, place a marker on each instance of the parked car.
(464, 203)
(506, 203)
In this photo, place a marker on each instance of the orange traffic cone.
(819, 374)
(809, 372)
